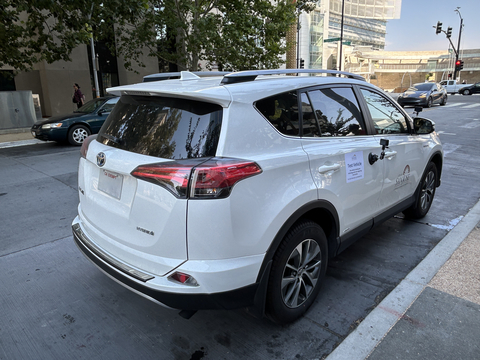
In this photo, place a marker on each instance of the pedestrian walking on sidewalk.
(78, 98)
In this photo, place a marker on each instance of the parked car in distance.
(233, 191)
(452, 86)
(77, 126)
(469, 90)
(424, 94)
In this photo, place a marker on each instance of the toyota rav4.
(234, 190)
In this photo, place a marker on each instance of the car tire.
(429, 102)
(466, 92)
(77, 134)
(426, 193)
(444, 101)
(298, 272)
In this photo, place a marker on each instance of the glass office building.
(364, 24)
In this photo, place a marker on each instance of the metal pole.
(458, 46)
(298, 38)
(94, 63)
(341, 37)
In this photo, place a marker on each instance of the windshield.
(421, 87)
(90, 106)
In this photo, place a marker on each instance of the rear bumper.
(138, 282)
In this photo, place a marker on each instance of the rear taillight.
(198, 179)
(86, 143)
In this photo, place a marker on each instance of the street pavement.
(433, 313)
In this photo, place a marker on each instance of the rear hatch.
(138, 218)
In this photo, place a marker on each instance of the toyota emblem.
(101, 159)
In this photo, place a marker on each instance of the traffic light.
(450, 76)
(449, 32)
(459, 65)
(302, 64)
(439, 28)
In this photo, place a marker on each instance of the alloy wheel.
(301, 273)
(428, 190)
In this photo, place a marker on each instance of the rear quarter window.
(168, 128)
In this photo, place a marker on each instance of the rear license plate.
(110, 183)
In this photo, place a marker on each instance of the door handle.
(329, 168)
(390, 154)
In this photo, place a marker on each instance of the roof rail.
(177, 75)
(250, 75)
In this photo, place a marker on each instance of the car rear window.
(168, 128)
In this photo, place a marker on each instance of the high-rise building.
(364, 24)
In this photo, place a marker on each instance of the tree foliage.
(37, 30)
(234, 34)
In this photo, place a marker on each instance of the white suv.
(234, 191)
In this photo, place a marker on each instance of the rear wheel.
(444, 100)
(425, 196)
(78, 134)
(298, 271)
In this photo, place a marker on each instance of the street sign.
(331, 40)
(347, 43)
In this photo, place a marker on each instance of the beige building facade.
(54, 82)
(396, 70)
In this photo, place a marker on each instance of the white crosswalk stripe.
(471, 106)
(456, 104)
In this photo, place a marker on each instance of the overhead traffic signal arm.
(448, 34)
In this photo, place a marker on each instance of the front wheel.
(429, 102)
(298, 271)
(425, 196)
(466, 92)
(78, 134)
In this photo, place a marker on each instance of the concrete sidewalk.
(17, 137)
(434, 313)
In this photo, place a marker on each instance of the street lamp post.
(459, 37)
(340, 60)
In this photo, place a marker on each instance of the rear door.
(337, 141)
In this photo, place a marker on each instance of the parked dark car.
(424, 94)
(75, 127)
(469, 90)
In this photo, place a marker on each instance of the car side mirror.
(423, 126)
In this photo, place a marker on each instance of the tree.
(48, 30)
(234, 34)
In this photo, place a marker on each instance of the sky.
(414, 30)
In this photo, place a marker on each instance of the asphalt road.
(56, 305)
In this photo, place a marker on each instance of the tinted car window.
(421, 87)
(109, 105)
(91, 106)
(386, 118)
(281, 110)
(164, 127)
(337, 112)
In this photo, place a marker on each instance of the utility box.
(16, 110)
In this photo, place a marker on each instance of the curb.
(363, 340)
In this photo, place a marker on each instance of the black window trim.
(367, 115)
